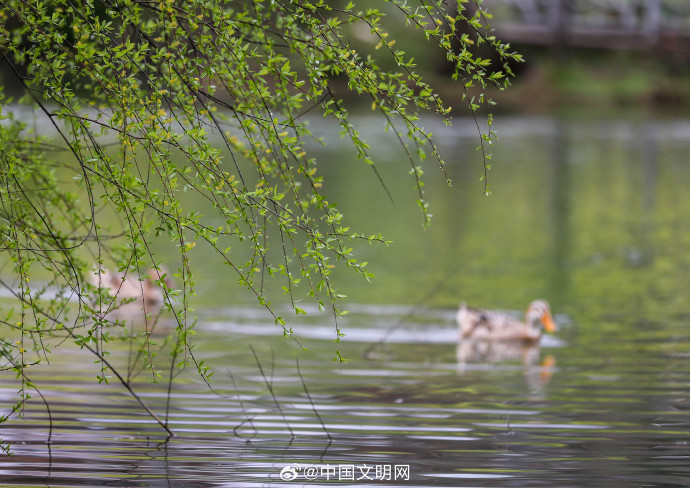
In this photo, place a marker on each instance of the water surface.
(590, 215)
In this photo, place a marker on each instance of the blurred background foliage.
(612, 71)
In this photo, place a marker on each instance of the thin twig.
(270, 389)
(311, 402)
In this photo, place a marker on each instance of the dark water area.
(593, 216)
(612, 415)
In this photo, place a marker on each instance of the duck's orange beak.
(549, 324)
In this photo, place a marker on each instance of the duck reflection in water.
(133, 298)
(490, 337)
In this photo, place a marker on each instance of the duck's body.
(489, 325)
(133, 294)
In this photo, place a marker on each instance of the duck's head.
(539, 314)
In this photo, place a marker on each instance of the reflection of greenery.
(591, 215)
(599, 81)
(154, 100)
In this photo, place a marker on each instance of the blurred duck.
(489, 325)
(133, 294)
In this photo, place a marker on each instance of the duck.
(490, 325)
(133, 294)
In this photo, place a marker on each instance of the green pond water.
(592, 215)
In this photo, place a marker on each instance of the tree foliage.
(154, 101)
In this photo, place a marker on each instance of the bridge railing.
(595, 23)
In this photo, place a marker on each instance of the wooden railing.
(615, 24)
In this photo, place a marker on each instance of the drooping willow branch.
(158, 100)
